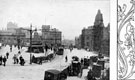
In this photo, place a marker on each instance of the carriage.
(54, 74)
(42, 58)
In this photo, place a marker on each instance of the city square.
(62, 46)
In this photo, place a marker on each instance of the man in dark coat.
(7, 54)
(46, 48)
(10, 49)
(4, 60)
(22, 62)
(66, 59)
(1, 60)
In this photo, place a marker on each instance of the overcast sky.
(69, 16)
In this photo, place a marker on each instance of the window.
(87, 43)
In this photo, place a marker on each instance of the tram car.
(60, 51)
(54, 75)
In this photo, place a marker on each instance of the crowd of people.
(17, 58)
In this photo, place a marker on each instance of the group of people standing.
(3, 60)
(20, 59)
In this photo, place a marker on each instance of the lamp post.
(31, 31)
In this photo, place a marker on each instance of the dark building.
(96, 37)
(105, 47)
(87, 38)
(98, 32)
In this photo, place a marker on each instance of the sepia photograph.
(55, 40)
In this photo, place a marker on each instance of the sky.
(69, 16)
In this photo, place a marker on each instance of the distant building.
(68, 43)
(98, 31)
(105, 46)
(87, 38)
(51, 36)
(11, 27)
(78, 42)
(96, 37)
(9, 36)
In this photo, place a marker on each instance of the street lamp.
(31, 31)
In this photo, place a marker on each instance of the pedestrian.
(17, 60)
(7, 54)
(1, 60)
(66, 59)
(81, 60)
(14, 58)
(19, 52)
(40, 62)
(10, 49)
(22, 62)
(4, 60)
(20, 58)
(46, 48)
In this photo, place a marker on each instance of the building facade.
(51, 36)
(87, 38)
(78, 42)
(98, 32)
(96, 37)
(105, 46)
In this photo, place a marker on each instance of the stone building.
(78, 42)
(51, 36)
(105, 46)
(11, 35)
(98, 32)
(96, 37)
(87, 38)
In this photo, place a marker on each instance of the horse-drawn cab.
(54, 75)
(75, 67)
(95, 72)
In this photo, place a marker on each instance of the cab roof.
(54, 71)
